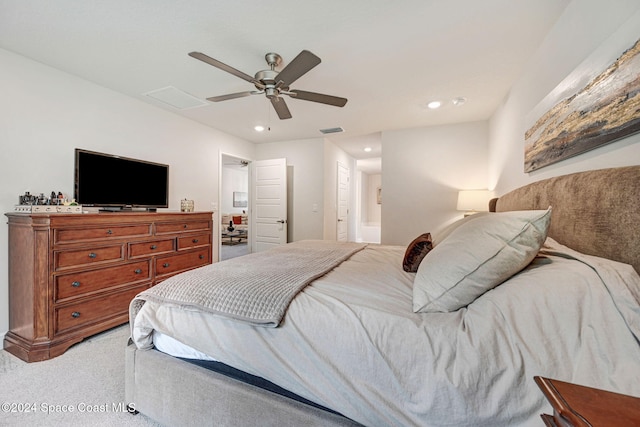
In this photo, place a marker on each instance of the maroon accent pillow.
(237, 219)
(416, 251)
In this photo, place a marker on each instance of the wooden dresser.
(73, 275)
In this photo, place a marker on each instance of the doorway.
(234, 207)
(370, 200)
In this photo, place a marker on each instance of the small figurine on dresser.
(27, 199)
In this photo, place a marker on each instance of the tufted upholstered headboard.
(594, 212)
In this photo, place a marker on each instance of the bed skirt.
(208, 398)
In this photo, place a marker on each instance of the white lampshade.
(473, 200)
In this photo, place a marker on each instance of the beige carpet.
(82, 387)
(233, 251)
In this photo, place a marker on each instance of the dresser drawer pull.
(165, 265)
(137, 271)
(75, 284)
(154, 247)
(75, 314)
(92, 255)
(201, 256)
(194, 241)
(109, 232)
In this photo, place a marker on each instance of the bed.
(361, 341)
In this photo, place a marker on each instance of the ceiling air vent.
(176, 98)
(332, 130)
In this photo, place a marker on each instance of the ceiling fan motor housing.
(267, 76)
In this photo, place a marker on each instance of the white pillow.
(443, 233)
(476, 257)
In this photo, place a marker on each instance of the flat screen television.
(119, 183)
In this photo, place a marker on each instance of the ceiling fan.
(274, 83)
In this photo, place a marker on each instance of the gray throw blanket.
(255, 288)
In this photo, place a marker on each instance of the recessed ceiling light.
(434, 104)
(259, 128)
(459, 100)
(367, 149)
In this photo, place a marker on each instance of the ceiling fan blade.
(233, 96)
(319, 97)
(224, 67)
(281, 108)
(300, 65)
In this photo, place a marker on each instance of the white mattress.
(351, 342)
(172, 346)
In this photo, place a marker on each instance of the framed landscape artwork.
(597, 104)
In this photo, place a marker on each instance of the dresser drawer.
(178, 227)
(79, 284)
(184, 261)
(97, 309)
(187, 242)
(106, 232)
(137, 250)
(82, 257)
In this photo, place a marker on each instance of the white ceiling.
(389, 58)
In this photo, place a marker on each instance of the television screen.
(114, 181)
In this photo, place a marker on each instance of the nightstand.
(576, 405)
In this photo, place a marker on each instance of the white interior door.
(342, 226)
(269, 202)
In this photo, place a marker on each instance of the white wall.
(423, 170)
(585, 28)
(305, 172)
(45, 114)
